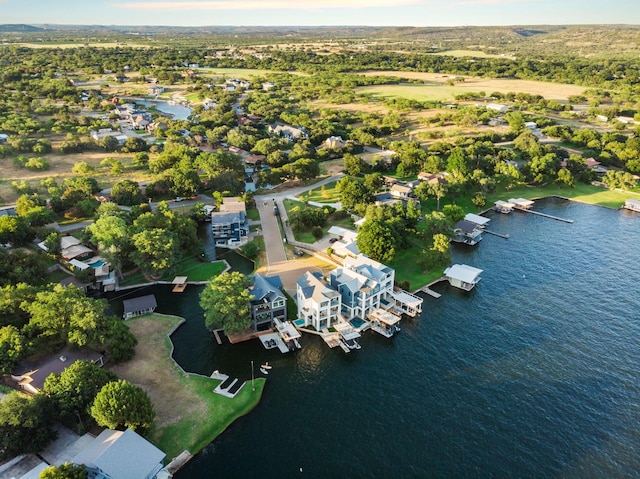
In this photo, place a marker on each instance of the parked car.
(298, 252)
(333, 240)
(178, 199)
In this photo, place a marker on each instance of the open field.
(467, 53)
(330, 194)
(188, 414)
(242, 73)
(437, 89)
(79, 45)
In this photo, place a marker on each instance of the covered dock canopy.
(477, 219)
(522, 202)
(462, 276)
(180, 284)
(503, 206)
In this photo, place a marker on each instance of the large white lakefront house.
(355, 290)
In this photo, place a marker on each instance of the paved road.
(271, 232)
(288, 270)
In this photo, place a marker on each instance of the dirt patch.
(153, 370)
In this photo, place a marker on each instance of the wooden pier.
(542, 214)
(217, 335)
(500, 235)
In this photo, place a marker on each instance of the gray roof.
(121, 455)
(139, 304)
(225, 218)
(267, 288)
(465, 226)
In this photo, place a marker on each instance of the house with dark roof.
(139, 306)
(230, 225)
(120, 455)
(467, 232)
(30, 376)
(268, 303)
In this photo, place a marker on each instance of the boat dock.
(499, 235)
(179, 284)
(545, 215)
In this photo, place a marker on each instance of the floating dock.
(180, 284)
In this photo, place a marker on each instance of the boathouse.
(139, 306)
(462, 276)
(521, 203)
(503, 206)
(467, 232)
(477, 219)
(632, 204)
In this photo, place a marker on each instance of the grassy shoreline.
(189, 415)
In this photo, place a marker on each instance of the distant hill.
(18, 28)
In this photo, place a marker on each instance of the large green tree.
(74, 389)
(156, 251)
(11, 348)
(225, 301)
(25, 425)
(121, 405)
(376, 240)
(66, 315)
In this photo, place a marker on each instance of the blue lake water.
(177, 111)
(535, 373)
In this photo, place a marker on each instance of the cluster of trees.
(151, 241)
(46, 318)
(80, 397)
(225, 300)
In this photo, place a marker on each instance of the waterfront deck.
(527, 210)
(384, 322)
(272, 341)
(179, 284)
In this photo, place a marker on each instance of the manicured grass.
(55, 276)
(253, 214)
(407, 269)
(189, 415)
(594, 195)
(188, 266)
(330, 194)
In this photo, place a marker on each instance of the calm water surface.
(535, 373)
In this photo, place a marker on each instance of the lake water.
(535, 373)
(177, 111)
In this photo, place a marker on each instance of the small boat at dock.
(266, 366)
(264, 371)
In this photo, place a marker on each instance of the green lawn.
(188, 266)
(594, 195)
(194, 433)
(329, 195)
(189, 415)
(407, 269)
(253, 214)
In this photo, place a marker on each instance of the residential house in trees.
(120, 455)
(269, 302)
(288, 132)
(229, 225)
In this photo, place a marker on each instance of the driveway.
(271, 232)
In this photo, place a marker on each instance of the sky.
(320, 12)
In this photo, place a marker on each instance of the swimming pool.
(98, 263)
(299, 323)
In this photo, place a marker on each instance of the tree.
(75, 388)
(65, 471)
(15, 230)
(24, 425)
(121, 405)
(65, 314)
(127, 192)
(441, 246)
(11, 348)
(353, 165)
(156, 251)
(376, 240)
(225, 301)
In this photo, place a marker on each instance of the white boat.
(264, 371)
(266, 366)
